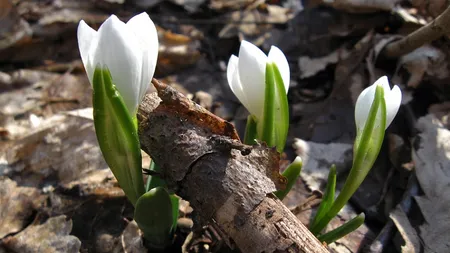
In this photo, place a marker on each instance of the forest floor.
(57, 193)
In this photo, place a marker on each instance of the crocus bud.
(375, 109)
(392, 99)
(261, 83)
(246, 75)
(129, 51)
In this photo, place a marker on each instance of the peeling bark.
(226, 182)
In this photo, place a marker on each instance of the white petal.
(119, 51)
(231, 68)
(277, 56)
(383, 82)
(234, 81)
(252, 69)
(87, 43)
(393, 100)
(363, 104)
(145, 31)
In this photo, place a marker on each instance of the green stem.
(367, 148)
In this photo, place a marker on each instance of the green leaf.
(267, 123)
(250, 130)
(281, 110)
(175, 211)
(328, 197)
(367, 146)
(154, 181)
(292, 172)
(154, 216)
(343, 230)
(117, 135)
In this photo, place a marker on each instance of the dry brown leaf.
(13, 29)
(189, 5)
(316, 166)
(442, 112)
(254, 23)
(17, 205)
(176, 51)
(51, 236)
(311, 66)
(427, 60)
(64, 145)
(406, 230)
(131, 239)
(432, 161)
(42, 93)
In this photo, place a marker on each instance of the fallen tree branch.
(426, 34)
(225, 181)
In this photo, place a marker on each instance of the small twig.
(423, 35)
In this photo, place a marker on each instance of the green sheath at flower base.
(154, 216)
(117, 135)
(281, 110)
(291, 173)
(267, 122)
(367, 146)
(343, 230)
(328, 197)
(250, 131)
(275, 121)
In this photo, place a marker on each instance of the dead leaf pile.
(57, 192)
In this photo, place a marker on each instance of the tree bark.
(225, 181)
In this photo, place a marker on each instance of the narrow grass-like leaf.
(154, 216)
(292, 172)
(117, 135)
(250, 130)
(366, 149)
(328, 197)
(343, 230)
(281, 110)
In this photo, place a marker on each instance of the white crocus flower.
(246, 75)
(129, 51)
(364, 102)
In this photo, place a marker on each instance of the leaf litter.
(54, 179)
